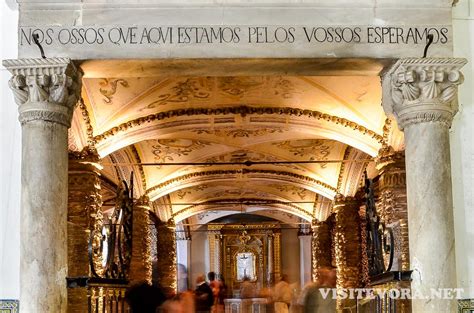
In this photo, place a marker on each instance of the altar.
(251, 305)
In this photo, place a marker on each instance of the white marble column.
(305, 258)
(422, 95)
(46, 91)
(183, 256)
(218, 255)
(270, 260)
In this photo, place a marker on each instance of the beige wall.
(10, 155)
(199, 256)
(290, 254)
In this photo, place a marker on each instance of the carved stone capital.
(420, 90)
(44, 89)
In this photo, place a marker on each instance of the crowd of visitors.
(209, 295)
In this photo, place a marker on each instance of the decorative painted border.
(238, 110)
(466, 306)
(9, 306)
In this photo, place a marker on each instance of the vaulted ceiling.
(142, 123)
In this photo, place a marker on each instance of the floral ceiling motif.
(109, 88)
(167, 149)
(239, 132)
(238, 86)
(285, 88)
(212, 88)
(314, 149)
(236, 193)
(302, 193)
(243, 155)
(183, 91)
(202, 215)
(188, 191)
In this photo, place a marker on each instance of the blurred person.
(187, 300)
(312, 295)
(247, 289)
(282, 295)
(144, 298)
(216, 288)
(173, 305)
(221, 296)
(203, 295)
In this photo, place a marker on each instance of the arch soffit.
(209, 216)
(202, 177)
(230, 194)
(278, 122)
(269, 208)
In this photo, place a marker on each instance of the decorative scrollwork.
(112, 244)
(110, 88)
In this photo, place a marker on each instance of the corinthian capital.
(44, 89)
(421, 90)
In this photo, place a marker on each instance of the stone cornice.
(44, 89)
(189, 177)
(238, 110)
(420, 90)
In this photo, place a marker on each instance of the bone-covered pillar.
(422, 95)
(321, 247)
(141, 265)
(84, 215)
(46, 91)
(347, 246)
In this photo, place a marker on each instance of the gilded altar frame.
(262, 239)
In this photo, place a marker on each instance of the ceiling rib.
(246, 163)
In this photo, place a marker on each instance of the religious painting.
(245, 266)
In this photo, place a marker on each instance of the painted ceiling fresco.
(310, 136)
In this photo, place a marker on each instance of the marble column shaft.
(305, 259)
(183, 256)
(46, 91)
(422, 95)
(270, 259)
(321, 247)
(141, 263)
(218, 254)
